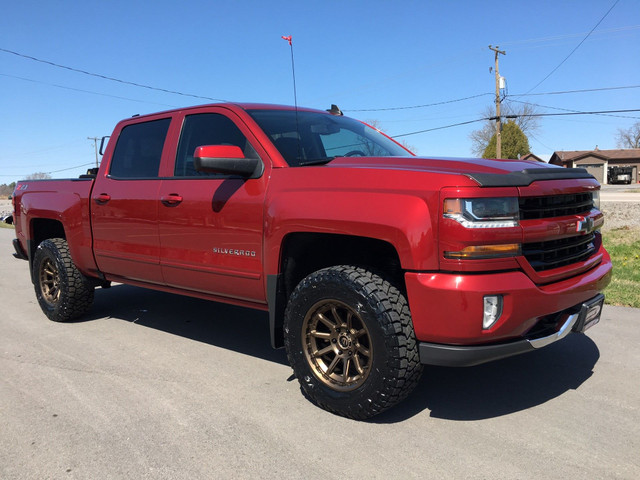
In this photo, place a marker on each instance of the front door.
(210, 225)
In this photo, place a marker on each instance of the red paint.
(219, 238)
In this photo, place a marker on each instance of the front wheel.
(350, 341)
(62, 291)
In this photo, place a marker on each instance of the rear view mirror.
(226, 159)
(325, 129)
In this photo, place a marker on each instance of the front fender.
(402, 220)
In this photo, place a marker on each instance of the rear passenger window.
(207, 129)
(139, 150)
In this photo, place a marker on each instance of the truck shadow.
(501, 387)
(472, 393)
(234, 328)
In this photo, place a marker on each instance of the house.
(597, 162)
(531, 156)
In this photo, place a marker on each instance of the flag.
(288, 39)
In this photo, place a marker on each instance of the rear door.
(125, 204)
(210, 225)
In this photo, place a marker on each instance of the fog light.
(492, 310)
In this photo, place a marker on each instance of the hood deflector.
(526, 177)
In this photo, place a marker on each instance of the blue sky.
(359, 55)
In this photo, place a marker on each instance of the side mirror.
(102, 144)
(226, 159)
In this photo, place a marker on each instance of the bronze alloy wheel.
(62, 291)
(337, 345)
(50, 281)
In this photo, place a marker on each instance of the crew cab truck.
(370, 261)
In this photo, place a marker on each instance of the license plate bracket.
(590, 313)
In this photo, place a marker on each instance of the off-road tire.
(62, 291)
(380, 332)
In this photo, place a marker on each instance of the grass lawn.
(623, 245)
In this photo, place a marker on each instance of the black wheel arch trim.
(277, 302)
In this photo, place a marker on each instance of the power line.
(83, 91)
(576, 48)
(516, 116)
(417, 106)
(440, 128)
(53, 171)
(409, 107)
(568, 35)
(435, 128)
(105, 77)
(576, 91)
(568, 109)
(599, 112)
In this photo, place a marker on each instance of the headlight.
(501, 212)
(595, 195)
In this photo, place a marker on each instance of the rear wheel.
(62, 291)
(350, 341)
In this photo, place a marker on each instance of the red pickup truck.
(370, 261)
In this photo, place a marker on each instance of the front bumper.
(576, 319)
(447, 311)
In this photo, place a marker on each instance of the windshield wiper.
(316, 161)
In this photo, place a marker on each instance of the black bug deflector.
(526, 177)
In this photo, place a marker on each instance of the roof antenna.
(295, 93)
(293, 69)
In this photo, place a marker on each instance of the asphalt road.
(620, 193)
(152, 385)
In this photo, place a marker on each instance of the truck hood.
(487, 173)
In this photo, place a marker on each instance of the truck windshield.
(314, 138)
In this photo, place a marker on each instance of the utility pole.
(95, 146)
(498, 121)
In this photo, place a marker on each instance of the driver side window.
(207, 129)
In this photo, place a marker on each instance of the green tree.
(514, 142)
(525, 118)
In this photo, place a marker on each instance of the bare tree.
(525, 119)
(38, 176)
(630, 137)
(378, 126)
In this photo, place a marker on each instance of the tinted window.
(207, 129)
(304, 137)
(139, 150)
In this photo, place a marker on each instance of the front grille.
(558, 253)
(555, 206)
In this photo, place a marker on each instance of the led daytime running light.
(483, 212)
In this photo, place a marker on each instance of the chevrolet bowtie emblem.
(584, 225)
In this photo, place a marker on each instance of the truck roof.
(234, 106)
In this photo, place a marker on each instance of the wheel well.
(43, 228)
(305, 253)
